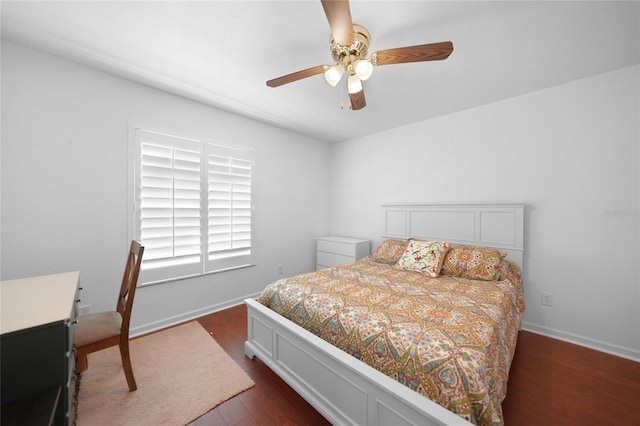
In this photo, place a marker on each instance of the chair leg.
(126, 364)
(82, 363)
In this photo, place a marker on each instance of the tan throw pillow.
(473, 262)
(389, 251)
(424, 256)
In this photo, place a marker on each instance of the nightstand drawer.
(331, 259)
(334, 251)
(336, 247)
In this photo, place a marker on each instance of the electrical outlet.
(280, 269)
(84, 309)
(546, 299)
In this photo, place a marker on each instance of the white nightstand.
(334, 251)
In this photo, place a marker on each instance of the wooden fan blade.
(357, 100)
(339, 17)
(295, 76)
(423, 52)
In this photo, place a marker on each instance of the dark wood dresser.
(37, 355)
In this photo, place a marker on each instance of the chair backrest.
(129, 284)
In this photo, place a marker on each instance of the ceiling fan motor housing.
(346, 55)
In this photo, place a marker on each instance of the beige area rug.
(181, 373)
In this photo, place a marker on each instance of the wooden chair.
(101, 330)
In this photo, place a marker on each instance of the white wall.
(570, 153)
(64, 185)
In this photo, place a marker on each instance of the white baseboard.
(187, 316)
(588, 342)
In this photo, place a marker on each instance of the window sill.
(186, 277)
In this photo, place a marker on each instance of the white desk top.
(33, 301)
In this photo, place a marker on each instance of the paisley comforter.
(450, 339)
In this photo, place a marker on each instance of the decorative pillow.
(473, 262)
(423, 256)
(389, 251)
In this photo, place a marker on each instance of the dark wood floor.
(550, 383)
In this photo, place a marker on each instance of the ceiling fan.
(349, 47)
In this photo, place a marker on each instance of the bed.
(385, 342)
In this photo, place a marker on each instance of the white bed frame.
(345, 390)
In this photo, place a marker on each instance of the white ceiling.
(222, 52)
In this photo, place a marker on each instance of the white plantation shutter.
(229, 206)
(193, 206)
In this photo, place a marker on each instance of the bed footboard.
(344, 390)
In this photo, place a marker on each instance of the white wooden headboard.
(498, 225)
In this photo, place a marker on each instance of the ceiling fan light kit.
(363, 69)
(354, 85)
(334, 74)
(349, 45)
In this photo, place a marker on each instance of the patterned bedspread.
(450, 339)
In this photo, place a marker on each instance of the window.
(193, 206)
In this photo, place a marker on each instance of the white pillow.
(424, 256)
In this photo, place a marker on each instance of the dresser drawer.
(69, 333)
(70, 401)
(71, 365)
